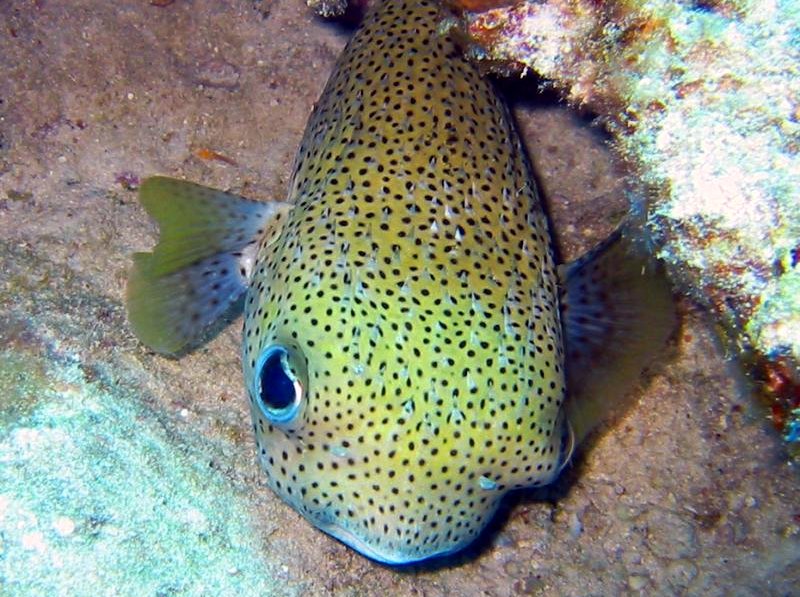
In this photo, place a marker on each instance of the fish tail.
(618, 313)
(200, 267)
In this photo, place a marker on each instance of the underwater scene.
(400, 297)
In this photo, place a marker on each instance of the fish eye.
(278, 390)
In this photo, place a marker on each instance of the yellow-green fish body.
(404, 352)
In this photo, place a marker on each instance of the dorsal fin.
(200, 267)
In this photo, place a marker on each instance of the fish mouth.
(390, 555)
(384, 556)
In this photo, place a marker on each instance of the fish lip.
(391, 558)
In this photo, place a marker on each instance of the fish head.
(383, 418)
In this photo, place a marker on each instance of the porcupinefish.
(408, 339)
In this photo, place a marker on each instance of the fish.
(411, 352)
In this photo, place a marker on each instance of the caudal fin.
(618, 312)
(201, 264)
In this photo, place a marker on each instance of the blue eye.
(278, 391)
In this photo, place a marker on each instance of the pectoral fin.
(201, 264)
(618, 312)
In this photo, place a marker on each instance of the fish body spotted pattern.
(415, 281)
(403, 353)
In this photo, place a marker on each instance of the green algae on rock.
(95, 493)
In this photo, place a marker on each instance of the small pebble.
(216, 73)
(637, 583)
(681, 573)
(575, 525)
(33, 541)
(670, 535)
(64, 526)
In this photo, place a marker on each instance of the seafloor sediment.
(121, 470)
